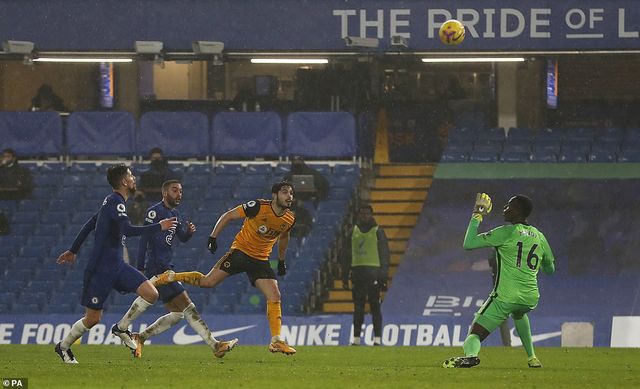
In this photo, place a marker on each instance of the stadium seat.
(178, 134)
(609, 134)
(463, 134)
(19, 129)
(520, 134)
(101, 134)
(483, 156)
(491, 134)
(632, 134)
(246, 134)
(321, 134)
(261, 169)
(571, 155)
(629, 156)
(606, 145)
(229, 169)
(202, 169)
(453, 155)
(579, 134)
(550, 134)
(340, 169)
(602, 156)
(514, 156)
(25, 308)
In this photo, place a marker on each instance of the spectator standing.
(15, 181)
(367, 261)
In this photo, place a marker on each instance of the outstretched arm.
(88, 226)
(226, 218)
(493, 238)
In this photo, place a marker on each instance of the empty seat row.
(181, 134)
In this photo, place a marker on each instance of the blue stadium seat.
(248, 309)
(487, 146)
(21, 229)
(629, 156)
(54, 309)
(341, 169)
(493, 134)
(229, 169)
(340, 181)
(483, 156)
(463, 134)
(515, 156)
(632, 134)
(517, 146)
(606, 145)
(26, 217)
(321, 134)
(101, 133)
(520, 134)
(571, 155)
(576, 146)
(25, 308)
(581, 133)
(33, 205)
(246, 134)
(178, 134)
(631, 145)
(552, 146)
(244, 194)
(7, 297)
(262, 169)
(602, 156)
(463, 146)
(46, 180)
(550, 134)
(200, 169)
(55, 168)
(453, 155)
(609, 134)
(19, 129)
(340, 193)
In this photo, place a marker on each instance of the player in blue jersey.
(155, 257)
(106, 269)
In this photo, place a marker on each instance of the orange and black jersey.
(261, 228)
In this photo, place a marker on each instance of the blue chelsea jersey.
(111, 224)
(155, 252)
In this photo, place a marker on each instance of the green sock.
(524, 332)
(471, 345)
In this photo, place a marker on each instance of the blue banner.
(318, 330)
(320, 25)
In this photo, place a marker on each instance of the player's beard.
(173, 202)
(283, 204)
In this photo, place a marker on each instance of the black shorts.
(235, 261)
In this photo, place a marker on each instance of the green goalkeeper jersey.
(521, 251)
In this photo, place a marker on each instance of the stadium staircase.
(397, 194)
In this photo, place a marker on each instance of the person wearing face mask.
(152, 179)
(321, 184)
(15, 181)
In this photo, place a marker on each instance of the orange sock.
(274, 315)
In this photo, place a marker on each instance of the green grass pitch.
(317, 367)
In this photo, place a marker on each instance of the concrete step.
(398, 246)
(398, 195)
(397, 220)
(398, 232)
(397, 207)
(406, 170)
(337, 307)
(395, 259)
(402, 183)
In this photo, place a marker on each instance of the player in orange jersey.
(265, 223)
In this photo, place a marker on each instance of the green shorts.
(494, 312)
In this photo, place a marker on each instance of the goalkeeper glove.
(282, 268)
(212, 245)
(482, 206)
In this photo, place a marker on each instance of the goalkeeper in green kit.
(520, 251)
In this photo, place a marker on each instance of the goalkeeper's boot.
(280, 346)
(126, 337)
(461, 362)
(534, 362)
(66, 355)
(223, 347)
(164, 278)
(137, 353)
